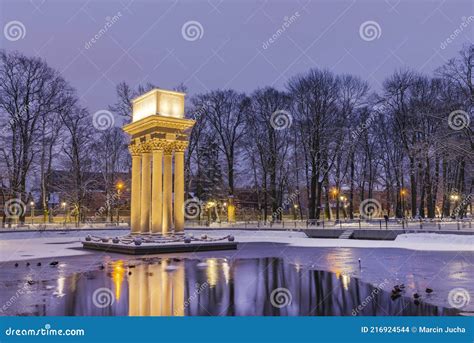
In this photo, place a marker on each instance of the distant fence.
(378, 224)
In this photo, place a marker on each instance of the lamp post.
(343, 200)
(295, 208)
(223, 209)
(335, 192)
(63, 205)
(403, 193)
(119, 186)
(32, 208)
(454, 198)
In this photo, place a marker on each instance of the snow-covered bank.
(16, 247)
(412, 241)
(436, 242)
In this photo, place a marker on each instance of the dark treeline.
(327, 141)
(334, 143)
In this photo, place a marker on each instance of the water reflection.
(212, 287)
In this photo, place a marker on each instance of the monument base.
(160, 248)
(157, 244)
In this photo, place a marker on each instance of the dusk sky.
(146, 42)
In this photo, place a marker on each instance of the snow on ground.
(16, 246)
(433, 241)
(418, 241)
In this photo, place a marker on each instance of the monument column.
(135, 191)
(179, 188)
(167, 190)
(146, 192)
(157, 190)
(158, 126)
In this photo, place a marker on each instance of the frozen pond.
(258, 279)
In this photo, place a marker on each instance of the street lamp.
(343, 199)
(63, 205)
(454, 198)
(403, 193)
(32, 207)
(119, 186)
(295, 207)
(334, 192)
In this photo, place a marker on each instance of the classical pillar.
(179, 189)
(157, 191)
(135, 196)
(146, 192)
(167, 190)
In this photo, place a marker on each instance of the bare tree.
(225, 110)
(110, 158)
(30, 91)
(317, 117)
(268, 144)
(78, 159)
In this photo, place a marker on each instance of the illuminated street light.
(63, 205)
(119, 186)
(32, 207)
(403, 192)
(454, 197)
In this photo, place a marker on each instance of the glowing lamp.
(158, 102)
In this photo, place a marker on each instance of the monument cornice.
(155, 122)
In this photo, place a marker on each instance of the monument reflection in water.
(219, 287)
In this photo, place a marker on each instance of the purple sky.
(146, 43)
